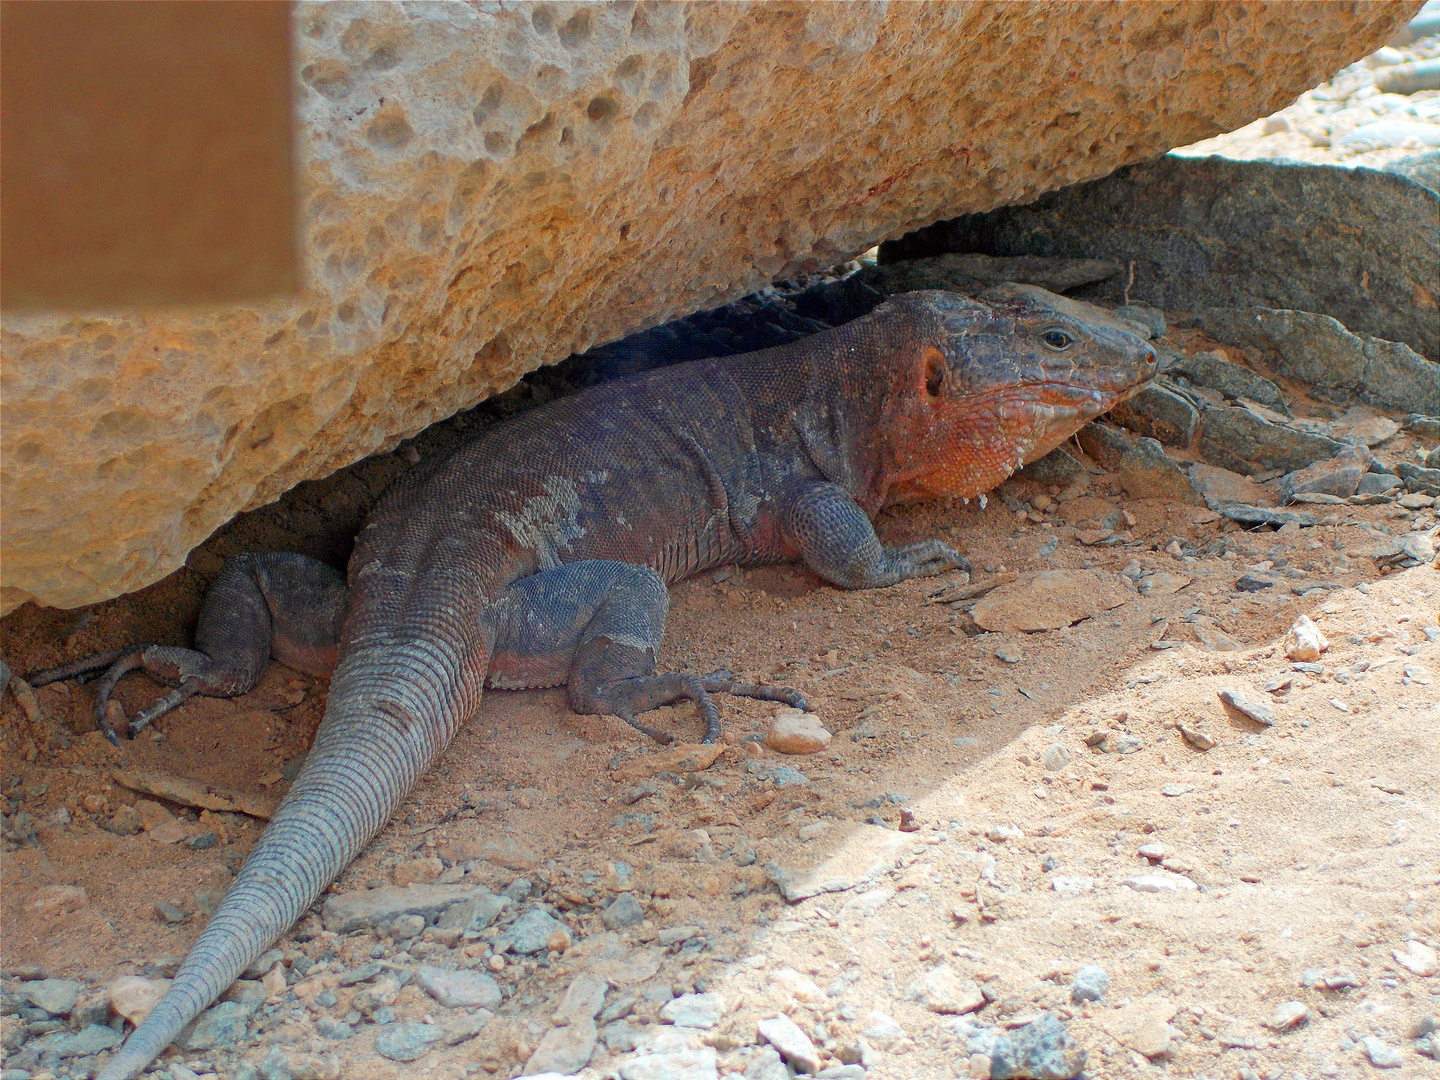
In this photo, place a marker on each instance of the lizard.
(539, 553)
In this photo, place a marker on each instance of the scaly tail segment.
(385, 723)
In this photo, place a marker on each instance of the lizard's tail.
(384, 724)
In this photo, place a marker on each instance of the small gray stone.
(56, 996)
(1152, 318)
(275, 1065)
(459, 989)
(406, 1042)
(1381, 1054)
(345, 913)
(694, 1010)
(1160, 413)
(622, 912)
(1042, 1050)
(219, 1026)
(406, 927)
(1089, 983)
(1146, 473)
(473, 913)
(793, 1044)
(621, 1036)
(563, 1050)
(262, 964)
(675, 1065)
(1009, 653)
(1288, 1015)
(530, 933)
(582, 999)
(1249, 707)
(766, 1064)
(363, 973)
(88, 1040)
(1056, 757)
(1373, 483)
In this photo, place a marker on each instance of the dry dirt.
(1311, 844)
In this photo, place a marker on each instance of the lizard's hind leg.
(259, 605)
(596, 627)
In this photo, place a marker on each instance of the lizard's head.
(999, 381)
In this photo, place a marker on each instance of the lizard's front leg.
(830, 532)
(596, 626)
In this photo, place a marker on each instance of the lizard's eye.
(1057, 339)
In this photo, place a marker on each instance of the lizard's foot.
(195, 673)
(628, 697)
(724, 682)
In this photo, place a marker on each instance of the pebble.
(459, 989)
(796, 732)
(221, 1025)
(1159, 883)
(694, 1010)
(621, 912)
(621, 1036)
(56, 996)
(1056, 757)
(766, 1065)
(1381, 1054)
(882, 1029)
(942, 990)
(1041, 1048)
(1288, 1015)
(1258, 711)
(530, 933)
(88, 1040)
(417, 871)
(1416, 958)
(1304, 641)
(583, 999)
(1144, 1027)
(363, 973)
(1009, 654)
(1001, 832)
(1196, 738)
(564, 1050)
(1089, 983)
(1070, 887)
(406, 1042)
(674, 1065)
(368, 909)
(133, 997)
(792, 1044)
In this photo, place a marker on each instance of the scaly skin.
(537, 556)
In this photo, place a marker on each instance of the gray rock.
(766, 1064)
(88, 1040)
(456, 1029)
(367, 909)
(564, 1050)
(621, 912)
(218, 1026)
(1211, 232)
(1040, 1050)
(1158, 412)
(1151, 318)
(1089, 983)
(1261, 515)
(1056, 467)
(363, 973)
(674, 1065)
(459, 989)
(1255, 710)
(1106, 444)
(942, 990)
(1381, 1054)
(1232, 380)
(971, 273)
(530, 933)
(621, 1006)
(1146, 473)
(792, 1044)
(1419, 480)
(473, 913)
(1241, 440)
(406, 1042)
(1373, 483)
(694, 1010)
(56, 996)
(1056, 757)
(275, 1065)
(1338, 476)
(1339, 365)
(583, 998)
(621, 1036)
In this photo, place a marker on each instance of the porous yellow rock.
(487, 188)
